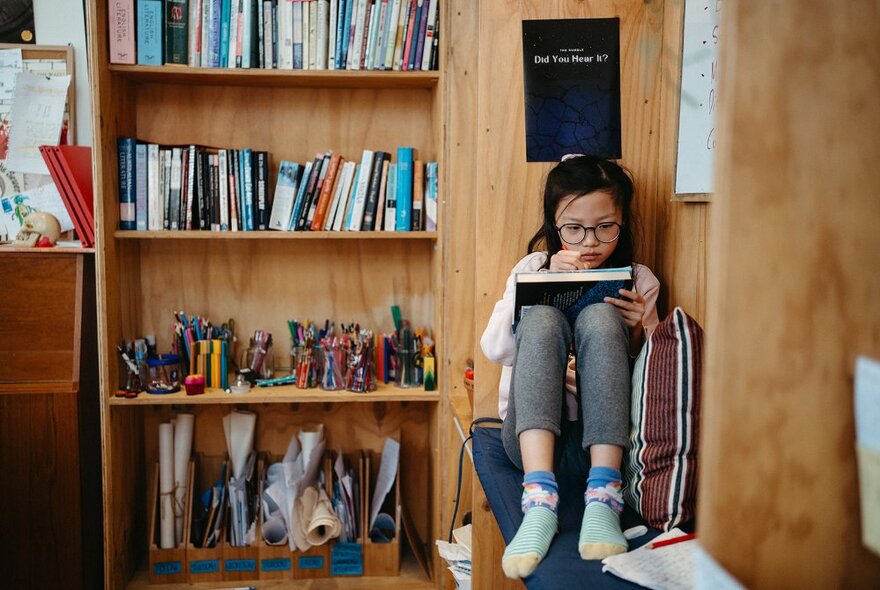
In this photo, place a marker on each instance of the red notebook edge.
(70, 190)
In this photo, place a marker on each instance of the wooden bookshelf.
(274, 235)
(282, 394)
(276, 78)
(260, 280)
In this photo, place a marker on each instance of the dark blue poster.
(571, 75)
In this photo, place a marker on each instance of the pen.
(672, 541)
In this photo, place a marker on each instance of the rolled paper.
(240, 441)
(309, 438)
(183, 433)
(166, 486)
(324, 524)
(274, 530)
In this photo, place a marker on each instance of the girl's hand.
(631, 309)
(567, 260)
(571, 378)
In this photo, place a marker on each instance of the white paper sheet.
(10, 59)
(867, 402)
(309, 438)
(14, 208)
(238, 426)
(183, 434)
(666, 568)
(37, 115)
(166, 486)
(385, 477)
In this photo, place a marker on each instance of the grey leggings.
(537, 388)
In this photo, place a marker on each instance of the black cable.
(461, 466)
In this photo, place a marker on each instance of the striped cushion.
(661, 462)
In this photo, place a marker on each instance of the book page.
(666, 568)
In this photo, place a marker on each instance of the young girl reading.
(587, 224)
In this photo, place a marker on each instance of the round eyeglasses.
(575, 233)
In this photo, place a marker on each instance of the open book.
(569, 291)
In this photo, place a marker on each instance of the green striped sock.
(531, 542)
(600, 532)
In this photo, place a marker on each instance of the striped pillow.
(661, 461)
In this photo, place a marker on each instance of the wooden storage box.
(315, 563)
(381, 559)
(342, 561)
(275, 561)
(240, 563)
(166, 566)
(203, 564)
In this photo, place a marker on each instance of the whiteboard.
(699, 97)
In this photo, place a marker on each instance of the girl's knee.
(599, 318)
(542, 322)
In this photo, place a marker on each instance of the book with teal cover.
(149, 32)
(405, 156)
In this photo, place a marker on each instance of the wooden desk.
(50, 477)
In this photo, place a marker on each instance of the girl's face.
(595, 211)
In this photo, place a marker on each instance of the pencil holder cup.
(360, 375)
(407, 375)
(308, 362)
(164, 374)
(334, 365)
(258, 358)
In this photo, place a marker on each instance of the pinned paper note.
(37, 115)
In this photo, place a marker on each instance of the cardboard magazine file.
(240, 563)
(167, 566)
(344, 560)
(315, 563)
(276, 561)
(203, 564)
(381, 559)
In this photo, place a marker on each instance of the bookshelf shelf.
(277, 78)
(274, 235)
(282, 394)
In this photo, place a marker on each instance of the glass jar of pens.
(412, 360)
(332, 358)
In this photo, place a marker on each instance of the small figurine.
(39, 229)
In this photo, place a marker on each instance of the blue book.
(214, 33)
(225, 11)
(300, 196)
(420, 31)
(405, 156)
(127, 182)
(149, 32)
(415, 34)
(346, 33)
(387, 31)
(140, 174)
(431, 197)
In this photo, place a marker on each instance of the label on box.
(204, 566)
(167, 568)
(240, 565)
(347, 559)
(275, 565)
(311, 563)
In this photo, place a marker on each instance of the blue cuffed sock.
(530, 544)
(600, 529)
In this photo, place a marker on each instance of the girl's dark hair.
(580, 175)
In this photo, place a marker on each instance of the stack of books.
(277, 34)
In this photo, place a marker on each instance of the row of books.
(199, 188)
(277, 34)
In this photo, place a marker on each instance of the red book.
(326, 193)
(71, 170)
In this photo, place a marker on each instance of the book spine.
(310, 191)
(410, 29)
(204, 54)
(418, 194)
(321, 29)
(404, 188)
(344, 193)
(247, 31)
(223, 174)
(372, 201)
(174, 186)
(403, 18)
(305, 34)
(338, 63)
(300, 197)
(337, 196)
(285, 35)
(351, 198)
(392, 35)
(316, 194)
(345, 42)
(391, 199)
(262, 202)
(215, 33)
(194, 34)
(373, 34)
(275, 45)
(122, 31)
(165, 161)
(364, 42)
(323, 201)
(140, 175)
(380, 207)
(419, 41)
(285, 189)
(332, 32)
(225, 20)
(382, 36)
(358, 35)
(430, 31)
(176, 42)
(153, 219)
(149, 32)
(313, 34)
(190, 185)
(217, 210)
(297, 35)
(431, 197)
(363, 185)
(184, 194)
(201, 188)
(435, 50)
(261, 34)
(249, 187)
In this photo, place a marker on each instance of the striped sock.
(600, 530)
(539, 501)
